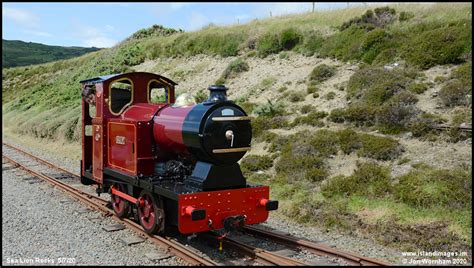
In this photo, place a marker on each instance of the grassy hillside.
(19, 53)
(343, 103)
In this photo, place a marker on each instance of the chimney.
(217, 93)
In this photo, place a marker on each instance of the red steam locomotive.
(169, 164)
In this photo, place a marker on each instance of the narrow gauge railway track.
(261, 255)
(97, 203)
(316, 248)
(101, 205)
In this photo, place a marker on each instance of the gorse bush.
(200, 96)
(306, 108)
(380, 148)
(289, 38)
(441, 45)
(312, 119)
(322, 73)
(270, 109)
(453, 93)
(253, 163)
(273, 43)
(369, 179)
(155, 30)
(458, 90)
(379, 17)
(235, 67)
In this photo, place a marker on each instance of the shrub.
(312, 43)
(369, 179)
(375, 85)
(316, 174)
(315, 95)
(235, 67)
(247, 106)
(421, 126)
(361, 114)
(325, 142)
(331, 95)
(277, 122)
(454, 93)
(404, 97)
(395, 115)
(461, 115)
(306, 108)
(311, 89)
(463, 73)
(380, 17)
(405, 16)
(269, 109)
(380, 148)
(427, 187)
(322, 73)
(220, 81)
(259, 125)
(296, 96)
(200, 96)
(337, 115)
(289, 38)
(418, 88)
(268, 44)
(349, 140)
(312, 119)
(442, 45)
(253, 163)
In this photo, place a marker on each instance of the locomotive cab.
(177, 164)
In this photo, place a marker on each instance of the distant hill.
(19, 53)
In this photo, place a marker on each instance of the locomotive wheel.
(151, 213)
(121, 207)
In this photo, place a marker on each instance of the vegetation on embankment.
(18, 53)
(373, 111)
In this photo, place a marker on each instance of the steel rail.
(99, 204)
(260, 255)
(317, 248)
(41, 160)
(263, 256)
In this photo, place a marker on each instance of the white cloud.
(99, 42)
(92, 36)
(197, 21)
(38, 33)
(22, 17)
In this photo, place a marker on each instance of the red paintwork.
(220, 205)
(121, 147)
(125, 196)
(141, 112)
(147, 212)
(168, 128)
(97, 150)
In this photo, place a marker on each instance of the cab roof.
(101, 79)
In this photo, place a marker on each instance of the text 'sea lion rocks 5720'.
(170, 162)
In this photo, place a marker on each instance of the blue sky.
(105, 24)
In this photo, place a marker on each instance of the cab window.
(121, 95)
(157, 92)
